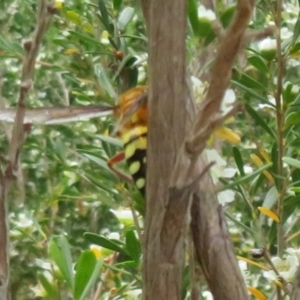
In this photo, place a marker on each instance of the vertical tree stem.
(279, 115)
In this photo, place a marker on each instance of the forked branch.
(209, 116)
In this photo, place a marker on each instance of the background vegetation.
(67, 201)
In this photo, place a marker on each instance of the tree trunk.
(175, 160)
(165, 216)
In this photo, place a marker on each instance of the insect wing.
(125, 117)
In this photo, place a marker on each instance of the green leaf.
(292, 162)
(125, 17)
(49, 287)
(251, 92)
(227, 15)
(104, 15)
(97, 180)
(133, 245)
(104, 80)
(292, 119)
(296, 30)
(271, 198)
(246, 178)
(111, 140)
(260, 121)
(238, 160)
(87, 272)
(296, 189)
(14, 48)
(193, 16)
(251, 83)
(59, 251)
(104, 242)
(74, 17)
(127, 61)
(87, 40)
(117, 4)
(242, 225)
(126, 264)
(259, 64)
(96, 159)
(294, 49)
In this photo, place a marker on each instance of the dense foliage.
(67, 200)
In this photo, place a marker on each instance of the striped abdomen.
(135, 148)
(133, 130)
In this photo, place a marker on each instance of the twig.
(64, 89)
(280, 121)
(284, 282)
(44, 16)
(104, 277)
(229, 47)
(253, 36)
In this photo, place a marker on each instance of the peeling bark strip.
(165, 218)
(31, 47)
(213, 246)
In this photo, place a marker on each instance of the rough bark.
(176, 168)
(166, 211)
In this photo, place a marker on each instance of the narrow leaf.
(117, 4)
(246, 178)
(269, 213)
(256, 293)
(271, 197)
(104, 14)
(251, 83)
(251, 262)
(104, 80)
(133, 245)
(238, 160)
(259, 64)
(193, 16)
(125, 17)
(105, 243)
(292, 162)
(251, 92)
(49, 287)
(296, 30)
(87, 272)
(59, 251)
(259, 120)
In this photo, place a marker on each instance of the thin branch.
(254, 36)
(221, 75)
(64, 89)
(104, 276)
(280, 122)
(44, 16)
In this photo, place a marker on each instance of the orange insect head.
(132, 109)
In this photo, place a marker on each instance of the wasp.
(131, 128)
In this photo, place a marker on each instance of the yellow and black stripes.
(135, 148)
(132, 129)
